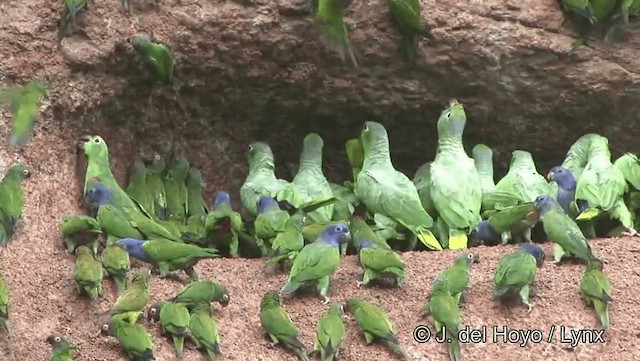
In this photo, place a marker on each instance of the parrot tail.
(392, 342)
(458, 239)
(429, 240)
(120, 282)
(6, 323)
(212, 355)
(301, 353)
(178, 345)
(453, 347)
(147, 355)
(395, 271)
(290, 287)
(602, 309)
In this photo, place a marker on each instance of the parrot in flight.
(131, 302)
(80, 230)
(198, 292)
(310, 184)
(204, 330)
(596, 291)
(335, 34)
(384, 190)
(25, 103)
(174, 320)
(516, 272)
(88, 273)
(261, 180)
(317, 261)
(62, 349)
(134, 339)
(278, 326)
(406, 16)
(11, 201)
(455, 183)
(483, 159)
(445, 311)
(329, 334)
(455, 278)
(168, 256)
(380, 263)
(375, 324)
(157, 57)
(562, 230)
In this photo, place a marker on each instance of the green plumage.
(157, 57)
(422, 181)
(335, 33)
(114, 223)
(176, 189)
(278, 325)
(155, 171)
(138, 189)
(596, 290)
(514, 274)
(204, 331)
(483, 159)
(224, 226)
(174, 320)
(198, 292)
(131, 302)
(261, 180)
(444, 309)
(80, 231)
(270, 222)
(196, 205)
(455, 184)
(147, 226)
(455, 278)
(406, 15)
(171, 256)
(375, 325)
(329, 334)
(116, 263)
(87, 273)
(70, 12)
(134, 339)
(25, 103)
(5, 306)
(62, 349)
(288, 243)
(383, 189)
(11, 201)
(346, 202)
(380, 264)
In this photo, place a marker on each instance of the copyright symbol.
(421, 334)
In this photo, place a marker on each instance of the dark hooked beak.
(85, 138)
(476, 258)
(551, 176)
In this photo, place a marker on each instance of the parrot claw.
(359, 284)
(630, 232)
(529, 305)
(326, 300)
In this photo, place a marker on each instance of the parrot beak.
(85, 138)
(551, 176)
(476, 258)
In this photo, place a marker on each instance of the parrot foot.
(359, 284)
(528, 304)
(630, 232)
(326, 300)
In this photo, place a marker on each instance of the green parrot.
(5, 305)
(375, 324)
(11, 200)
(80, 231)
(196, 205)
(316, 262)
(155, 172)
(62, 349)
(176, 189)
(355, 155)
(329, 334)
(406, 16)
(422, 181)
(174, 319)
(455, 278)
(444, 308)
(157, 57)
(115, 225)
(197, 292)
(138, 189)
(455, 183)
(504, 223)
(147, 226)
(346, 202)
(88, 273)
(261, 180)
(194, 231)
(562, 230)
(362, 232)
(270, 221)
(629, 7)
(278, 325)
(581, 8)
(578, 155)
(310, 184)
(287, 243)
(116, 263)
(134, 339)
(25, 103)
(383, 189)
(132, 301)
(204, 330)
(167, 256)
(596, 291)
(601, 187)
(483, 159)
(224, 226)
(335, 33)
(380, 264)
(516, 272)
(629, 165)
(70, 13)
(523, 178)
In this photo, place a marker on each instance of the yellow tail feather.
(428, 239)
(588, 214)
(458, 240)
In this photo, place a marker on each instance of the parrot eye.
(97, 140)
(470, 256)
(153, 311)
(105, 327)
(25, 172)
(338, 228)
(157, 157)
(57, 339)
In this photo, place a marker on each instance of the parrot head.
(521, 157)
(373, 135)
(260, 156)
(563, 177)
(534, 250)
(95, 147)
(133, 246)
(595, 264)
(18, 171)
(312, 144)
(83, 251)
(221, 197)
(352, 304)
(157, 164)
(468, 258)
(98, 195)
(59, 342)
(265, 203)
(154, 311)
(335, 234)
(270, 299)
(195, 178)
(108, 329)
(544, 204)
(138, 168)
(481, 151)
(452, 121)
(221, 295)
(336, 309)
(139, 43)
(366, 244)
(179, 169)
(483, 232)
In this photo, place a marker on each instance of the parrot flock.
(306, 225)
